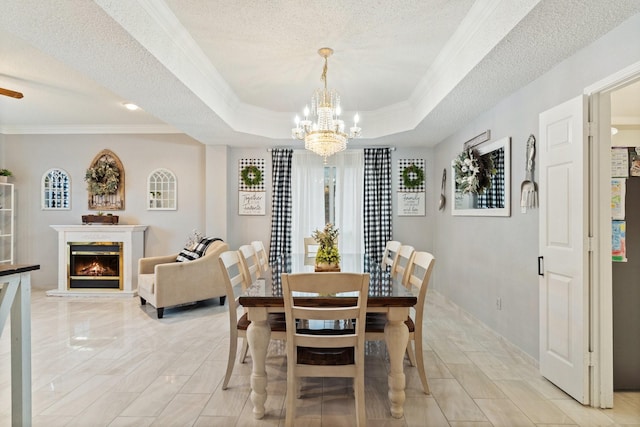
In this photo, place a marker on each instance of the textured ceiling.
(237, 72)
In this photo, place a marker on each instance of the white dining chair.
(390, 253)
(236, 284)
(261, 252)
(310, 246)
(320, 353)
(250, 263)
(419, 273)
(401, 263)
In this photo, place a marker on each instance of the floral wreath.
(251, 175)
(473, 172)
(103, 178)
(410, 182)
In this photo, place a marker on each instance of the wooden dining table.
(386, 295)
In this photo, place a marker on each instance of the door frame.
(601, 292)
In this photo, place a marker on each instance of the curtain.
(377, 209)
(349, 200)
(281, 203)
(307, 186)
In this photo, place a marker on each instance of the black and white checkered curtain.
(281, 203)
(494, 196)
(378, 210)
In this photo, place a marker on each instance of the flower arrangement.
(473, 172)
(327, 241)
(103, 178)
(5, 172)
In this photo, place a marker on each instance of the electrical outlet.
(499, 303)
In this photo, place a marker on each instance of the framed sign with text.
(251, 189)
(411, 187)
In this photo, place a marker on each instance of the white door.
(564, 263)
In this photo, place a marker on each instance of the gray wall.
(626, 296)
(30, 156)
(481, 259)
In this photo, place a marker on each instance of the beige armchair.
(164, 282)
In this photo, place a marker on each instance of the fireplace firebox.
(95, 265)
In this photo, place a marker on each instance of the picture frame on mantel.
(496, 201)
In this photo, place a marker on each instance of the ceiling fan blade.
(11, 93)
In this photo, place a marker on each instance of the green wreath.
(410, 182)
(251, 175)
(103, 178)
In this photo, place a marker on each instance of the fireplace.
(95, 265)
(91, 280)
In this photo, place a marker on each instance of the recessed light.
(614, 130)
(130, 106)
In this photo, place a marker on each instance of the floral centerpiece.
(473, 172)
(327, 257)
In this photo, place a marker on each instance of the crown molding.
(88, 129)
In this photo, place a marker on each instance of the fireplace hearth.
(95, 265)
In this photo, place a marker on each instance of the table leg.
(258, 336)
(396, 335)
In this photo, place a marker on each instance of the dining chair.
(261, 252)
(401, 263)
(325, 352)
(250, 263)
(390, 253)
(310, 246)
(419, 273)
(236, 284)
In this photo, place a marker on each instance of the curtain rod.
(390, 148)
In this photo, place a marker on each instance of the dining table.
(386, 295)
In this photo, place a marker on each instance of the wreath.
(408, 174)
(473, 172)
(251, 175)
(103, 178)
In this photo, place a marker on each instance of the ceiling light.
(130, 106)
(325, 136)
(614, 130)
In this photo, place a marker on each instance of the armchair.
(164, 282)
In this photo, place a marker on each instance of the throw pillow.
(202, 246)
(187, 255)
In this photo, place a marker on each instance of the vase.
(326, 266)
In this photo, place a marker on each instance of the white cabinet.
(7, 226)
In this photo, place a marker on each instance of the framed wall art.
(411, 187)
(251, 189)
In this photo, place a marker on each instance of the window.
(56, 190)
(330, 194)
(162, 190)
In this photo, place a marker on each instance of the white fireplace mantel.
(132, 238)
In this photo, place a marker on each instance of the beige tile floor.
(110, 362)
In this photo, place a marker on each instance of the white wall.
(481, 259)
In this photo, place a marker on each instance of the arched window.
(56, 190)
(162, 190)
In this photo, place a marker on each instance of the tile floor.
(110, 362)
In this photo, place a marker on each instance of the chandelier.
(325, 136)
